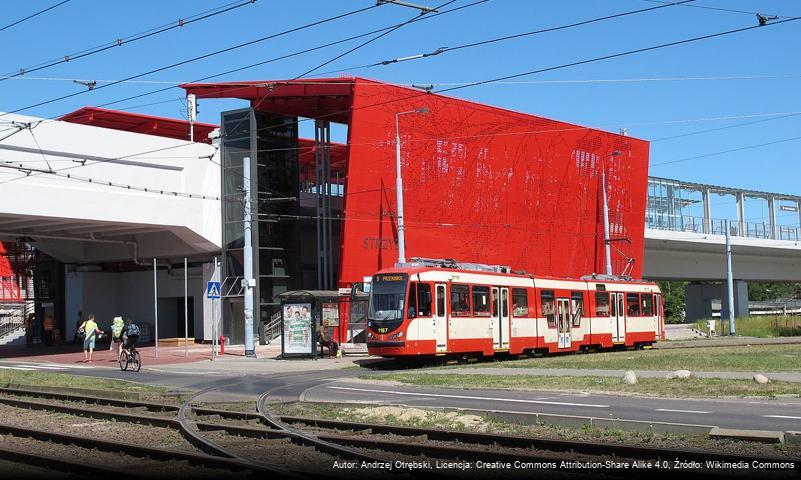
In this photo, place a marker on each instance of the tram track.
(228, 439)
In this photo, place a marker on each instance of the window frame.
(576, 295)
(484, 313)
(608, 305)
(430, 300)
(516, 293)
(629, 303)
(545, 296)
(643, 297)
(456, 287)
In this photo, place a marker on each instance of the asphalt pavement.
(776, 414)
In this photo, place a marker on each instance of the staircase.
(12, 323)
(272, 330)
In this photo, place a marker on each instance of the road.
(340, 385)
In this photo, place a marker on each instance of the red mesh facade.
(487, 185)
(482, 184)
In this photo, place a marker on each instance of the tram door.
(618, 316)
(495, 324)
(563, 322)
(441, 320)
(504, 319)
(658, 313)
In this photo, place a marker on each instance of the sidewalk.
(578, 372)
(174, 360)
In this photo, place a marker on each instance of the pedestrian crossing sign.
(213, 290)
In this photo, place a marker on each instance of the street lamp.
(399, 185)
(607, 240)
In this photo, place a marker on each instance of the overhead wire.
(118, 42)
(442, 50)
(36, 14)
(606, 57)
(193, 59)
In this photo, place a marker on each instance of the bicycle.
(129, 357)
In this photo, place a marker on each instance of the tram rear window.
(460, 301)
(520, 302)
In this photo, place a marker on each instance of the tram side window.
(577, 307)
(520, 302)
(601, 304)
(412, 305)
(633, 305)
(647, 301)
(460, 301)
(481, 301)
(548, 307)
(441, 300)
(423, 300)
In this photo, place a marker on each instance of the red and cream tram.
(440, 307)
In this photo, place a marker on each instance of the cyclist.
(116, 334)
(129, 335)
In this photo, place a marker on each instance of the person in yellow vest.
(90, 334)
(47, 326)
(116, 334)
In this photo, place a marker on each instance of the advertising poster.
(298, 328)
(330, 315)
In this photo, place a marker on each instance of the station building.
(481, 184)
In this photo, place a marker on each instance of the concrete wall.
(108, 294)
(689, 256)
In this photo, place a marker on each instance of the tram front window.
(387, 299)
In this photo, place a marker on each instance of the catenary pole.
(156, 304)
(729, 281)
(399, 196)
(248, 261)
(186, 308)
(607, 240)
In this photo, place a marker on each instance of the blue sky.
(652, 110)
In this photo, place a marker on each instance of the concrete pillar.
(798, 232)
(707, 211)
(774, 230)
(741, 213)
(740, 299)
(698, 300)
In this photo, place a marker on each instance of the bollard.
(222, 345)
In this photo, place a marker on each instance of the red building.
(481, 184)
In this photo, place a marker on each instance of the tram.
(437, 307)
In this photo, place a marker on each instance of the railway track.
(237, 441)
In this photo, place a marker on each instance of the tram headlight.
(396, 336)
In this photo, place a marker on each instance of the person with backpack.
(117, 325)
(90, 333)
(130, 334)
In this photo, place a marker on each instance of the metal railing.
(272, 329)
(12, 318)
(688, 223)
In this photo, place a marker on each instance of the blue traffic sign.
(213, 290)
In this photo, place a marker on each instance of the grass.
(744, 358)
(692, 387)
(762, 326)
(10, 377)
(438, 419)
